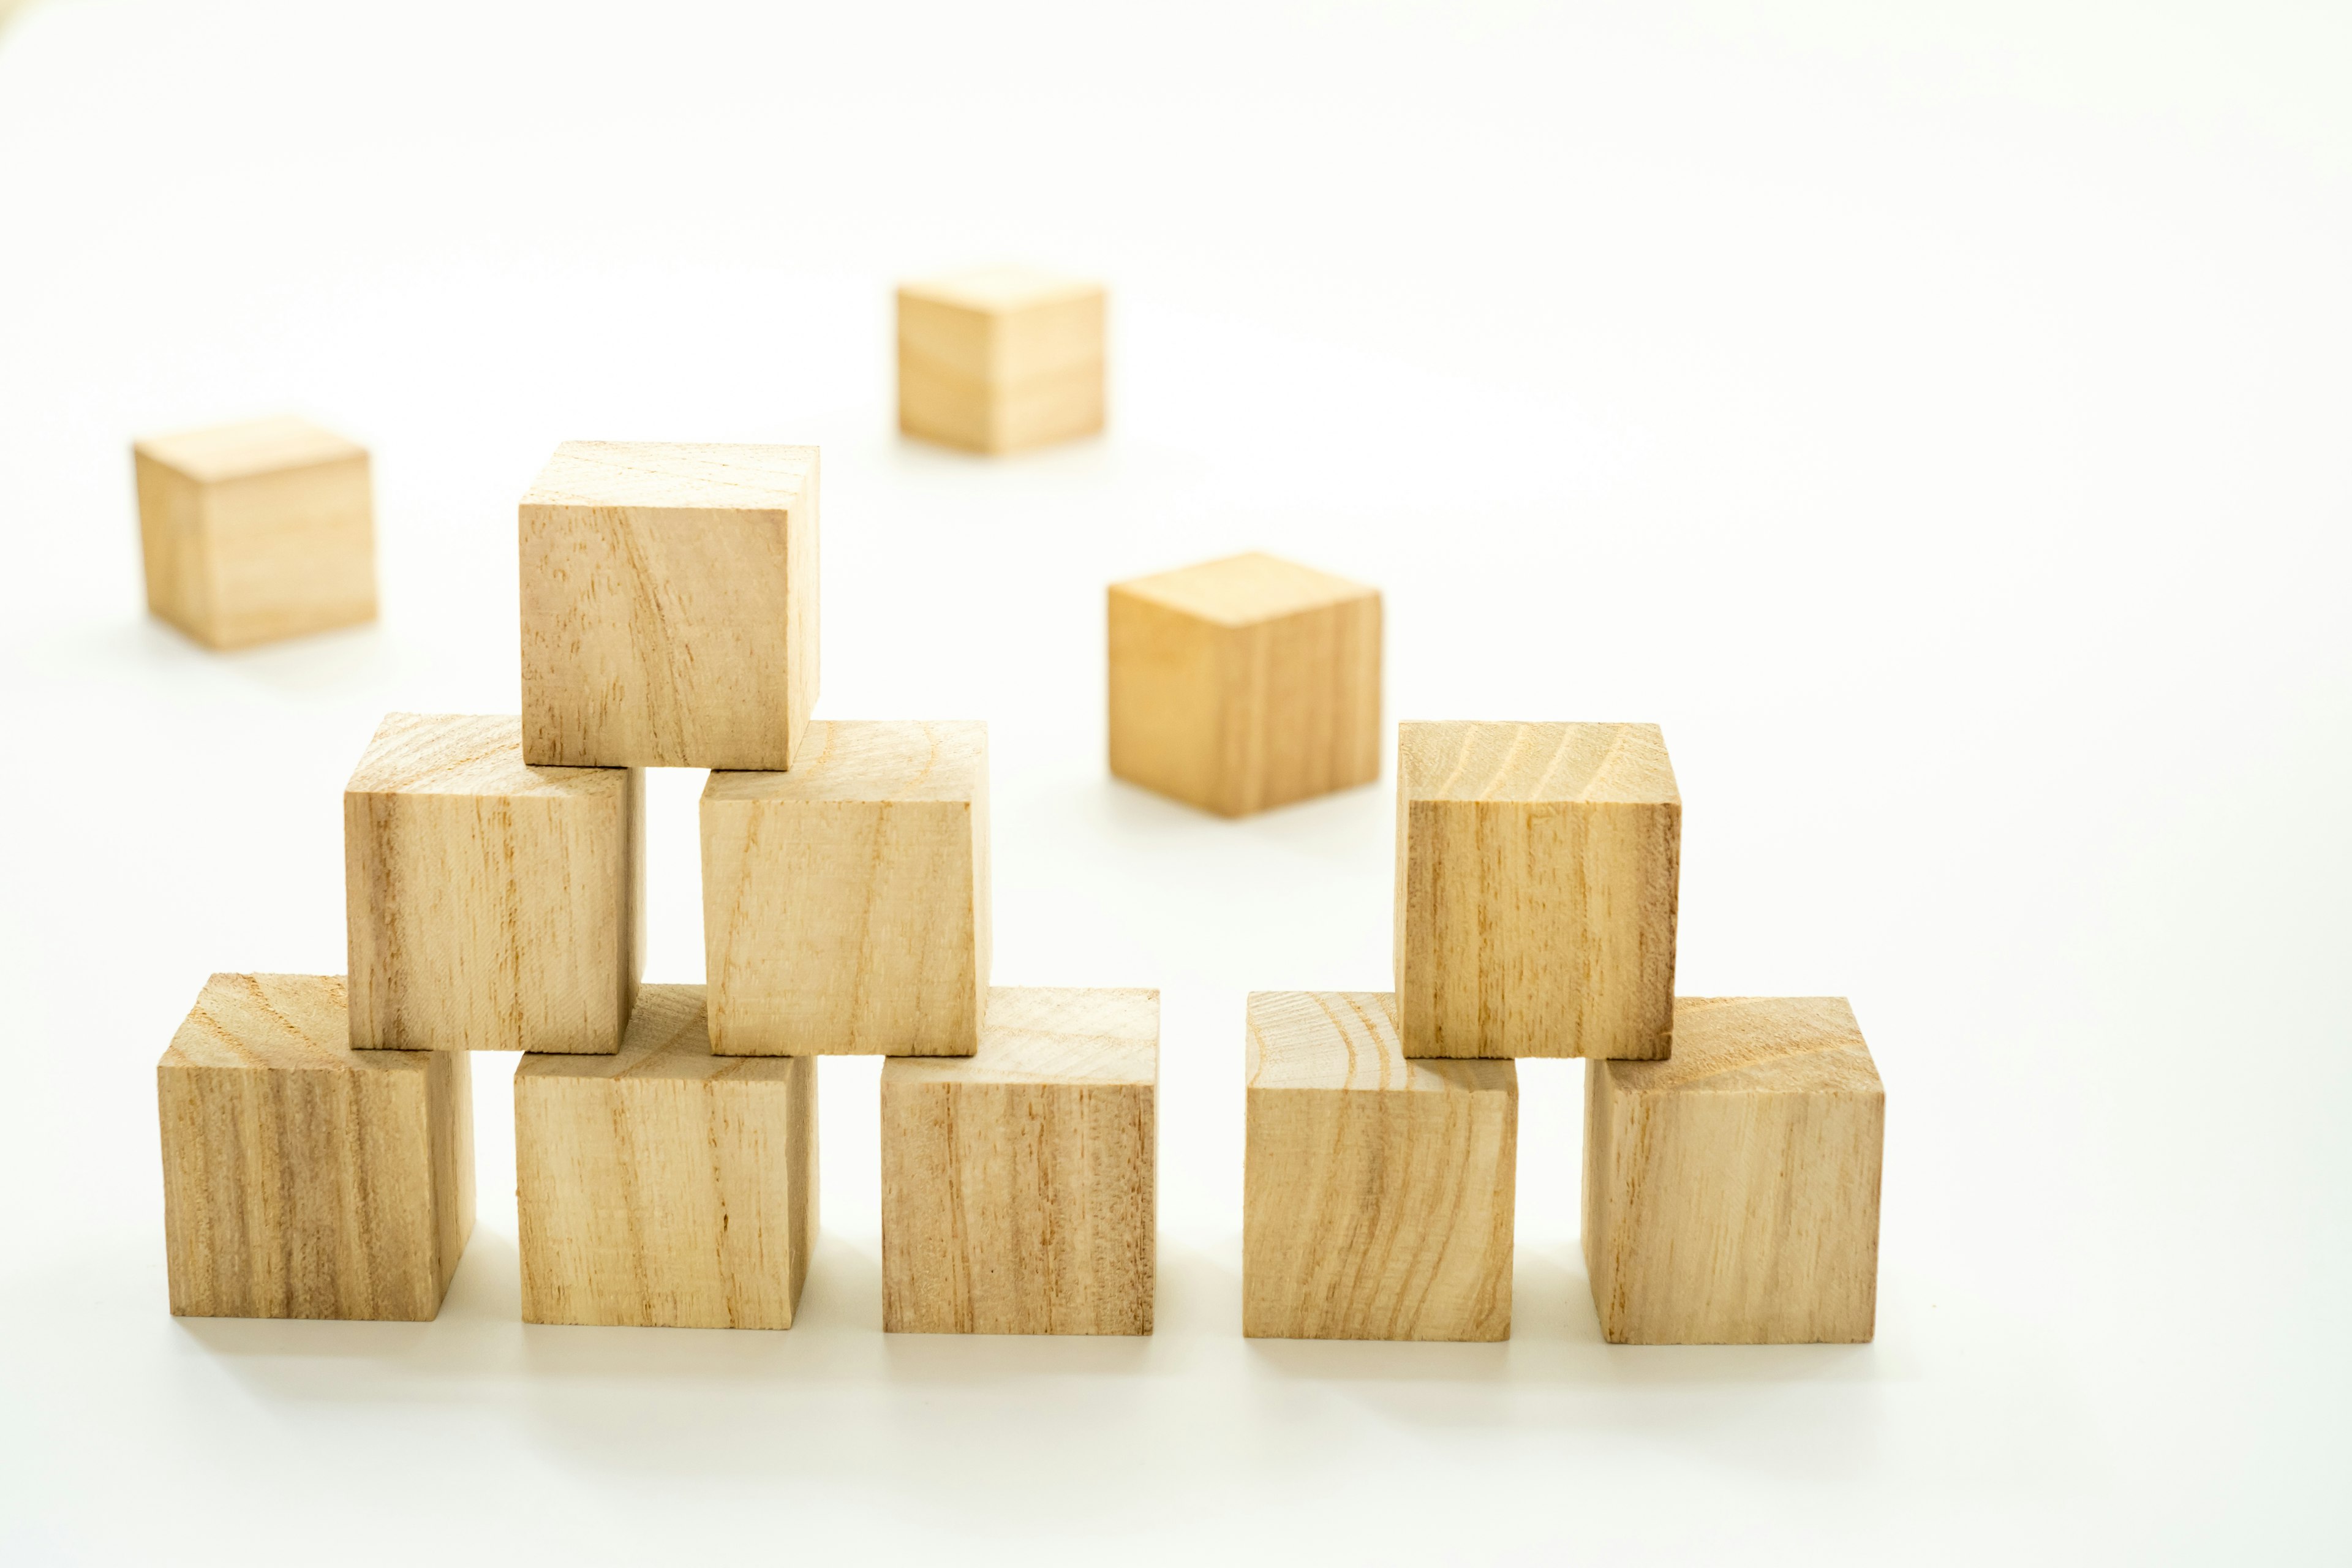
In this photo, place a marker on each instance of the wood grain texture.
(666, 1186)
(256, 532)
(844, 904)
(1019, 1184)
(1245, 683)
(1731, 1192)
(1377, 1192)
(301, 1178)
(490, 905)
(1001, 360)
(1538, 869)
(669, 605)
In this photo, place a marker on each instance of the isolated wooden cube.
(257, 532)
(301, 1178)
(1536, 873)
(1244, 683)
(1731, 1192)
(665, 1187)
(1019, 1185)
(669, 605)
(490, 905)
(844, 904)
(1000, 359)
(1376, 1192)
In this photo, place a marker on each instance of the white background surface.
(1936, 421)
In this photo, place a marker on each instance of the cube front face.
(1000, 361)
(666, 1187)
(1245, 684)
(1377, 1192)
(256, 533)
(1019, 1185)
(845, 903)
(302, 1179)
(669, 605)
(490, 906)
(1537, 871)
(1731, 1192)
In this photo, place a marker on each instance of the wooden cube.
(1000, 359)
(1376, 1192)
(1731, 1192)
(490, 905)
(257, 532)
(1244, 683)
(844, 904)
(301, 1178)
(1536, 873)
(669, 605)
(665, 1187)
(1018, 1185)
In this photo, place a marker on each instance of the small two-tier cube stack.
(317, 1130)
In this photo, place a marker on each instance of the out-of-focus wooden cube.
(669, 605)
(1731, 1191)
(1376, 1192)
(257, 532)
(490, 905)
(1000, 359)
(301, 1178)
(1019, 1185)
(1244, 683)
(1538, 868)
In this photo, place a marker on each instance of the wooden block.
(1536, 872)
(1244, 683)
(301, 1178)
(490, 906)
(844, 904)
(665, 1187)
(669, 605)
(1000, 359)
(1018, 1185)
(257, 532)
(1731, 1192)
(1376, 1192)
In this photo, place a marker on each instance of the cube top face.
(293, 1022)
(1244, 590)
(1758, 1044)
(668, 1040)
(241, 451)
(1477, 761)
(1347, 1040)
(467, 754)
(859, 760)
(672, 476)
(994, 291)
(1050, 1035)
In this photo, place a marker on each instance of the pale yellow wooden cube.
(1731, 1191)
(301, 1178)
(490, 905)
(1245, 683)
(1000, 359)
(257, 532)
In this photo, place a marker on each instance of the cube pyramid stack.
(317, 1129)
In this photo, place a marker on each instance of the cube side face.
(1013, 1208)
(668, 636)
(1735, 1218)
(844, 928)
(1378, 1215)
(494, 922)
(172, 547)
(312, 1193)
(670, 1203)
(1060, 404)
(1537, 929)
(1308, 700)
(289, 552)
